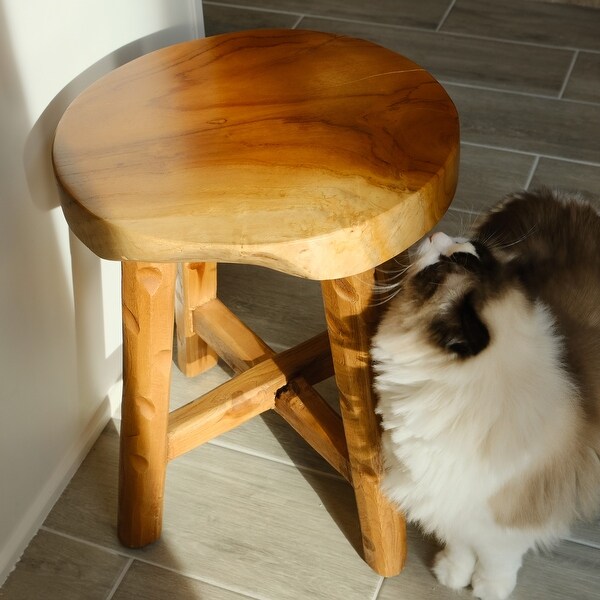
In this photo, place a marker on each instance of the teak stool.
(313, 154)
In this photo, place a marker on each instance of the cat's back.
(551, 240)
(544, 229)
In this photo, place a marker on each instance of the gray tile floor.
(256, 514)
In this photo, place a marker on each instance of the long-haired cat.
(487, 369)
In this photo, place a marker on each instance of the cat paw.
(496, 588)
(453, 570)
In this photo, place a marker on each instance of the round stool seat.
(310, 153)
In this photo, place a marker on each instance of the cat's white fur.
(453, 436)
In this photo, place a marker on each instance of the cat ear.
(461, 331)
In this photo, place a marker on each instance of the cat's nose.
(439, 238)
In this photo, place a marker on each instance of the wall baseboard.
(39, 509)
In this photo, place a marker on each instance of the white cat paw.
(496, 588)
(452, 570)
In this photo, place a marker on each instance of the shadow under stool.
(317, 155)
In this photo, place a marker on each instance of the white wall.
(60, 336)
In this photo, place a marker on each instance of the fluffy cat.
(487, 367)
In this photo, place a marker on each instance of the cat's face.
(443, 291)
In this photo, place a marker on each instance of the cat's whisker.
(521, 239)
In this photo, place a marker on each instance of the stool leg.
(350, 321)
(196, 284)
(148, 307)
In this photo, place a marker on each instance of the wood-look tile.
(587, 533)
(57, 568)
(555, 128)
(225, 19)
(571, 571)
(417, 581)
(455, 58)
(568, 176)
(426, 13)
(147, 582)
(538, 22)
(252, 525)
(584, 81)
(282, 309)
(486, 175)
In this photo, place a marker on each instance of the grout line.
(378, 588)
(151, 563)
(119, 579)
(445, 15)
(585, 544)
(404, 27)
(588, 163)
(254, 8)
(295, 25)
(275, 459)
(568, 75)
(485, 88)
(487, 38)
(533, 169)
(207, 581)
(74, 538)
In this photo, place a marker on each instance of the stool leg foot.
(350, 321)
(148, 307)
(196, 284)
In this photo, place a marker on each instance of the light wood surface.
(148, 292)
(310, 153)
(243, 397)
(196, 285)
(351, 316)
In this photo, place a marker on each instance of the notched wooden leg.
(148, 305)
(196, 285)
(350, 321)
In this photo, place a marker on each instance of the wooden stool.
(313, 154)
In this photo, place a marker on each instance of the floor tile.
(282, 309)
(224, 19)
(567, 175)
(487, 175)
(538, 22)
(56, 568)
(417, 582)
(426, 13)
(587, 533)
(147, 582)
(455, 58)
(555, 128)
(231, 518)
(584, 82)
(570, 572)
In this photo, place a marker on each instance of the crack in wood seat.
(318, 155)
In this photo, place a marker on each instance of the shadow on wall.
(58, 355)
(96, 283)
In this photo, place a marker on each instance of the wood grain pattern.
(235, 343)
(310, 153)
(148, 292)
(350, 320)
(318, 424)
(196, 285)
(247, 395)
